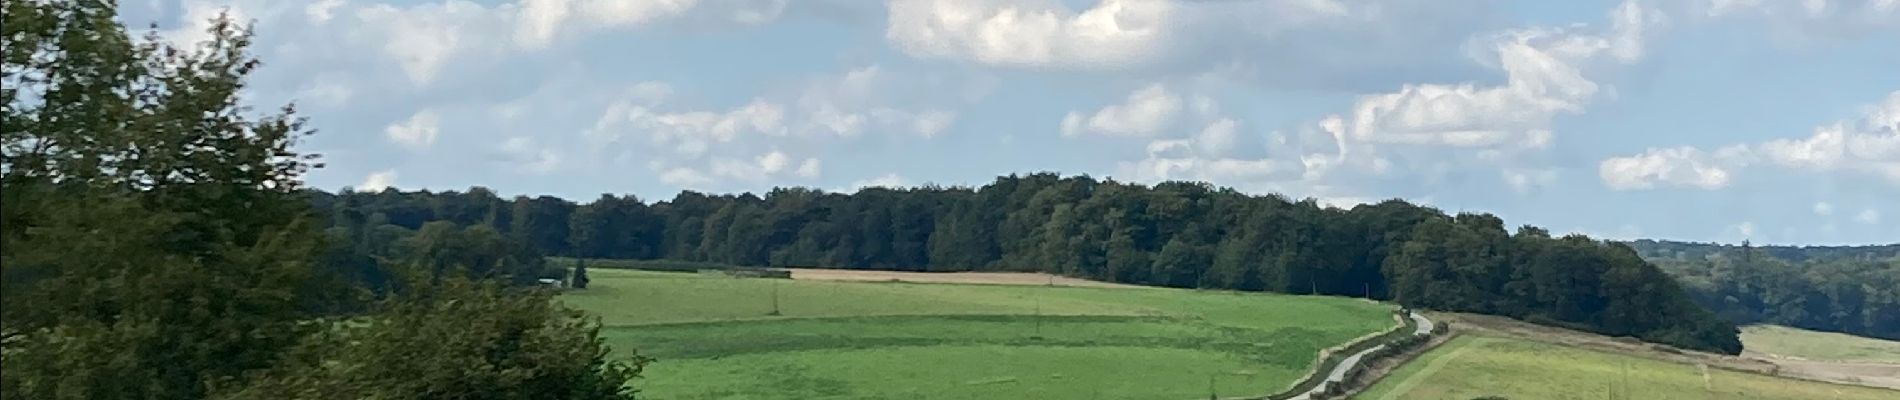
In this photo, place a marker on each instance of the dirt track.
(993, 278)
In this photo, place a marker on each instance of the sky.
(1702, 120)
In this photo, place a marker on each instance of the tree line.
(1846, 289)
(1175, 234)
(158, 244)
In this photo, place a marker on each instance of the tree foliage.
(1852, 290)
(158, 243)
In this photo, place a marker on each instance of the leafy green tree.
(159, 244)
(156, 244)
(456, 339)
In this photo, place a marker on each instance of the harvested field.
(1852, 373)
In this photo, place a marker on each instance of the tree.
(159, 244)
(580, 274)
(459, 339)
(132, 161)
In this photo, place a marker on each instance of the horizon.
(1703, 121)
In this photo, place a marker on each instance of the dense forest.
(1842, 289)
(1176, 234)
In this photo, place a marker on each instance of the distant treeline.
(1842, 289)
(1174, 234)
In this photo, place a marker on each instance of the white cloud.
(377, 181)
(888, 180)
(1868, 145)
(1823, 209)
(532, 158)
(684, 177)
(1545, 76)
(1145, 112)
(1681, 166)
(689, 133)
(810, 169)
(773, 162)
(1868, 216)
(1746, 229)
(931, 123)
(321, 11)
(418, 132)
(1218, 137)
(1112, 33)
(539, 22)
(195, 27)
(422, 38)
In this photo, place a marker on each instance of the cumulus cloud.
(321, 11)
(423, 38)
(377, 181)
(418, 132)
(1145, 112)
(538, 22)
(1113, 32)
(1680, 166)
(690, 133)
(1545, 71)
(810, 169)
(1823, 209)
(1148, 35)
(195, 27)
(1869, 145)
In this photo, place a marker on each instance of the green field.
(714, 337)
(1474, 366)
(1819, 346)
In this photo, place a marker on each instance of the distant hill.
(1681, 251)
(1847, 289)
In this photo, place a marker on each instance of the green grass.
(713, 338)
(1474, 366)
(1819, 346)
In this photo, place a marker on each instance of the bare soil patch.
(989, 278)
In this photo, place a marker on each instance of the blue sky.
(1707, 120)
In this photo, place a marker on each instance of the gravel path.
(1338, 374)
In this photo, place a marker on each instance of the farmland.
(1800, 344)
(719, 337)
(1474, 365)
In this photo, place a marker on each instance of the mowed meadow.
(715, 336)
(1473, 366)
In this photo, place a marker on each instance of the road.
(1338, 373)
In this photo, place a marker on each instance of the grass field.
(1473, 366)
(714, 337)
(1803, 344)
